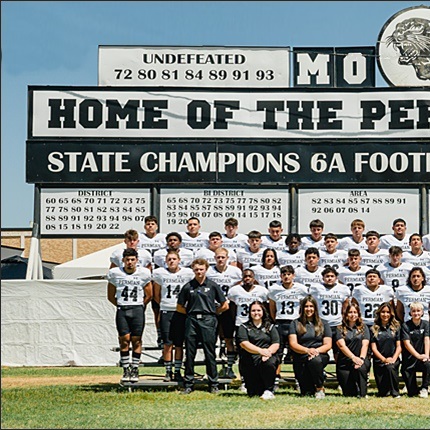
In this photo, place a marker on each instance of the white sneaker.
(242, 388)
(320, 394)
(267, 395)
(423, 393)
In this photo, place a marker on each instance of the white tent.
(91, 266)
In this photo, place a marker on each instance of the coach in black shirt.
(198, 299)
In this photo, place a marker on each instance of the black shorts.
(226, 321)
(177, 329)
(165, 323)
(130, 320)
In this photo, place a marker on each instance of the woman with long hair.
(352, 365)
(310, 340)
(259, 340)
(268, 272)
(386, 348)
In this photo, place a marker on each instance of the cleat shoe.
(134, 374)
(187, 390)
(320, 394)
(168, 377)
(297, 386)
(267, 395)
(423, 393)
(126, 375)
(178, 377)
(214, 390)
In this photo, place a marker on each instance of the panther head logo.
(411, 38)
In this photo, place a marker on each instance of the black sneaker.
(214, 390)
(168, 377)
(187, 390)
(134, 374)
(126, 375)
(178, 377)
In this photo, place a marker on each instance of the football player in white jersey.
(226, 275)
(373, 255)
(174, 241)
(150, 239)
(293, 255)
(274, 240)
(194, 239)
(416, 290)
(130, 290)
(354, 273)
(166, 283)
(268, 272)
(215, 242)
(252, 253)
(231, 239)
(398, 238)
(357, 240)
(284, 304)
(371, 295)
(131, 240)
(330, 255)
(316, 239)
(332, 298)
(311, 272)
(416, 255)
(395, 273)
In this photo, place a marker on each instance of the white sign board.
(376, 207)
(92, 211)
(194, 66)
(254, 209)
(288, 114)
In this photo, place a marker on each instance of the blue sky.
(56, 43)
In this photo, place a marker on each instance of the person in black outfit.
(259, 341)
(353, 364)
(198, 299)
(386, 348)
(310, 340)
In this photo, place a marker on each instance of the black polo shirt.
(200, 298)
(386, 341)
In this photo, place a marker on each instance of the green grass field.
(76, 397)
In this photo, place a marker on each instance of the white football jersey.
(308, 242)
(407, 295)
(420, 260)
(195, 243)
(129, 287)
(248, 258)
(152, 244)
(171, 284)
(389, 240)
(374, 260)
(296, 259)
(187, 257)
(144, 257)
(307, 278)
(266, 277)
(287, 300)
(347, 243)
(237, 242)
(394, 276)
(352, 279)
(335, 260)
(242, 298)
(330, 301)
(231, 276)
(279, 245)
(369, 301)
